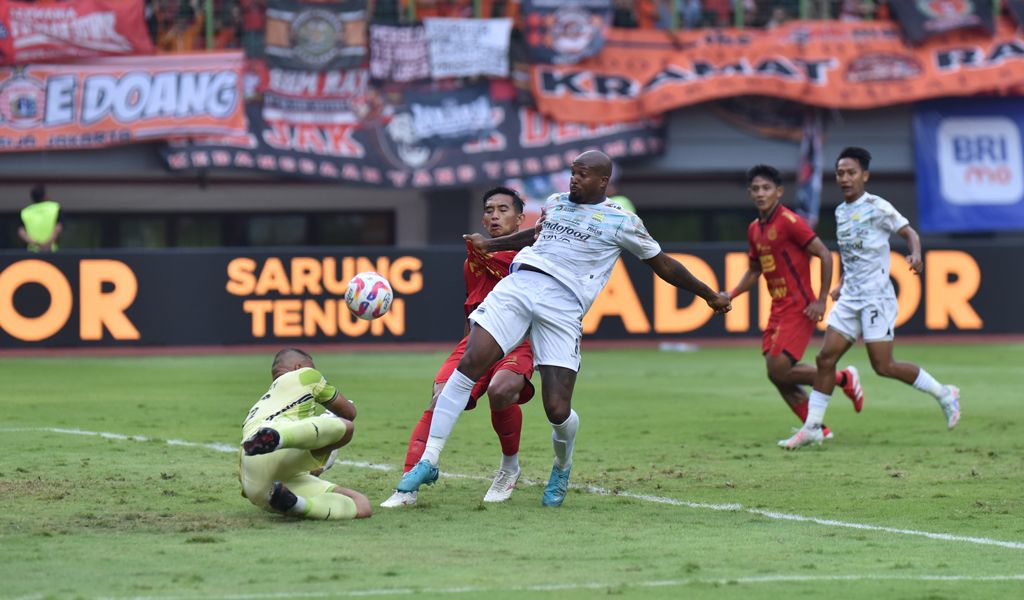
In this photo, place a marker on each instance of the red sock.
(508, 424)
(800, 410)
(418, 440)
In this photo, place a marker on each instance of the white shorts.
(874, 318)
(527, 301)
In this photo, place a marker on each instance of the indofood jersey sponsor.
(579, 244)
(863, 228)
(291, 396)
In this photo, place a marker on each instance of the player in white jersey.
(552, 284)
(866, 300)
(286, 445)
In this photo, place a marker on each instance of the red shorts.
(787, 332)
(519, 360)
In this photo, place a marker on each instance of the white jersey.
(863, 228)
(580, 243)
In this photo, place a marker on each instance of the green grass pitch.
(698, 501)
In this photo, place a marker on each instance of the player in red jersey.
(507, 382)
(781, 245)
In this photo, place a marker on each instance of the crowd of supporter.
(181, 25)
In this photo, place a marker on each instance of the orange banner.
(833, 64)
(120, 100)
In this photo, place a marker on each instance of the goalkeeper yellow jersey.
(291, 396)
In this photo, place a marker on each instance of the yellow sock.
(312, 433)
(330, 507)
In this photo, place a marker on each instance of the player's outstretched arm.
(673, 271)
(748, 280)
(914, 243)
(513, 241)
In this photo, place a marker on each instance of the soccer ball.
(369, 295)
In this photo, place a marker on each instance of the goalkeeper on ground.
(283, 442)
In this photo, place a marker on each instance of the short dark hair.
(38, 192)
(860, 155)
(287, 354)
(517, 200)
(768, 172)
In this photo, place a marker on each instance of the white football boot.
(502, 486)
(805, 436)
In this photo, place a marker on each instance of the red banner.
(39, 32)
(824, 63)
(118, 100)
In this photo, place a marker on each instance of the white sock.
(300, 506)
(927, 384)
(450, 404)
(816, 407)
(563, 437)
(510, 463)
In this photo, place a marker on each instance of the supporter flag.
(51, 32)
(445, 118)
(1017, 10)
(809, 171)
(468, 47)
(565, 31)
(316, 36)
(921, 19)
(398, 53)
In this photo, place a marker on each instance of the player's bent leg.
(881, 355)
(313, 433)
(849, 381)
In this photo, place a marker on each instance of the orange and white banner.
(120, 100)
(823, 63)
(35, 32)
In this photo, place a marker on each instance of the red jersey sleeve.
(798, 231)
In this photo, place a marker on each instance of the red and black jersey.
(779, 243)
(482, 273)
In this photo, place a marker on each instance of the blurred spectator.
(716, 13)
(778, 17)
(856, 10)
(254, 21)
(40, 222)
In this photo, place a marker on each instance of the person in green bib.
(40, 222)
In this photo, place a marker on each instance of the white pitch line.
(560, 587)
(948, 537)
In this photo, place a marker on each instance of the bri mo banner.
(822, 63)
(119, 101)
(970, 164)
(53, 32)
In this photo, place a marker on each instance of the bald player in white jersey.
(551, 286)
(866, 300)
(286, 444)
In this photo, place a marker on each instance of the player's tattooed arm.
(514, 241)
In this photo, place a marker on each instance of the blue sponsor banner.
(970, 164)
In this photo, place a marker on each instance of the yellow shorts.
(291, 467)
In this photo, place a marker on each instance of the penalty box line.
(780, 516)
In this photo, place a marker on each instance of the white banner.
(468, 47)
